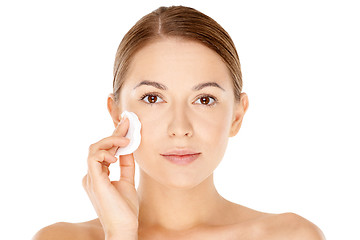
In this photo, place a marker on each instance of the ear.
(240, 109)
(113, 109)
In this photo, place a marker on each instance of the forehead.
(173, 59)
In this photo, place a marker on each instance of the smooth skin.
(172, 201)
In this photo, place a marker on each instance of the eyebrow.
(163, 87)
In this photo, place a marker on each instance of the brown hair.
(177, 21)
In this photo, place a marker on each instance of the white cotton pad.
(133, 134)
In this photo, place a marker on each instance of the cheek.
(149, 125)
(212, 133)
(151, 132)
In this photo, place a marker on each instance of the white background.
(297, 150)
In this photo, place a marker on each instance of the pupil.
(152, 99)
(206, 100)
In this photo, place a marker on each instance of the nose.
(179, 134)
(180, 124)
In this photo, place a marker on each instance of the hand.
(116, 202)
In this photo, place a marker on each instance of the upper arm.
(311, 232)
(303, 228)
(57, 231)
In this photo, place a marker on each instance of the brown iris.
(204, 100)
(152, 99)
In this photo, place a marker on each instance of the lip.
(180, 152)
(182, 159)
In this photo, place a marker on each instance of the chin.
(179, 180)
(181, 184)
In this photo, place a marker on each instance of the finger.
(105, 168)
(122, 128)
(113, 150)
(127, 168)
(99, 162)
(108, 143)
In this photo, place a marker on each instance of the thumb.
(127, 168)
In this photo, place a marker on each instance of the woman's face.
(180, 116)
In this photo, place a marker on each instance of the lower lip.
(181, 159)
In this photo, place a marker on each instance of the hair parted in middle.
(181, 22)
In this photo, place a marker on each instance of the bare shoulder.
(285, 226)
(90, 230)
(290, 226)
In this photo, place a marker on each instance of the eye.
(205, 99)
(151, 97)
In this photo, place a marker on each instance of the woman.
(179, 71)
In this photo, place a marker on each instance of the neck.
(177, 209)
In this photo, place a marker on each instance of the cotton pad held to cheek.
(133, 134)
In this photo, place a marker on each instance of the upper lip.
(180, 152)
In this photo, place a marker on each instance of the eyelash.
(158, 95)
